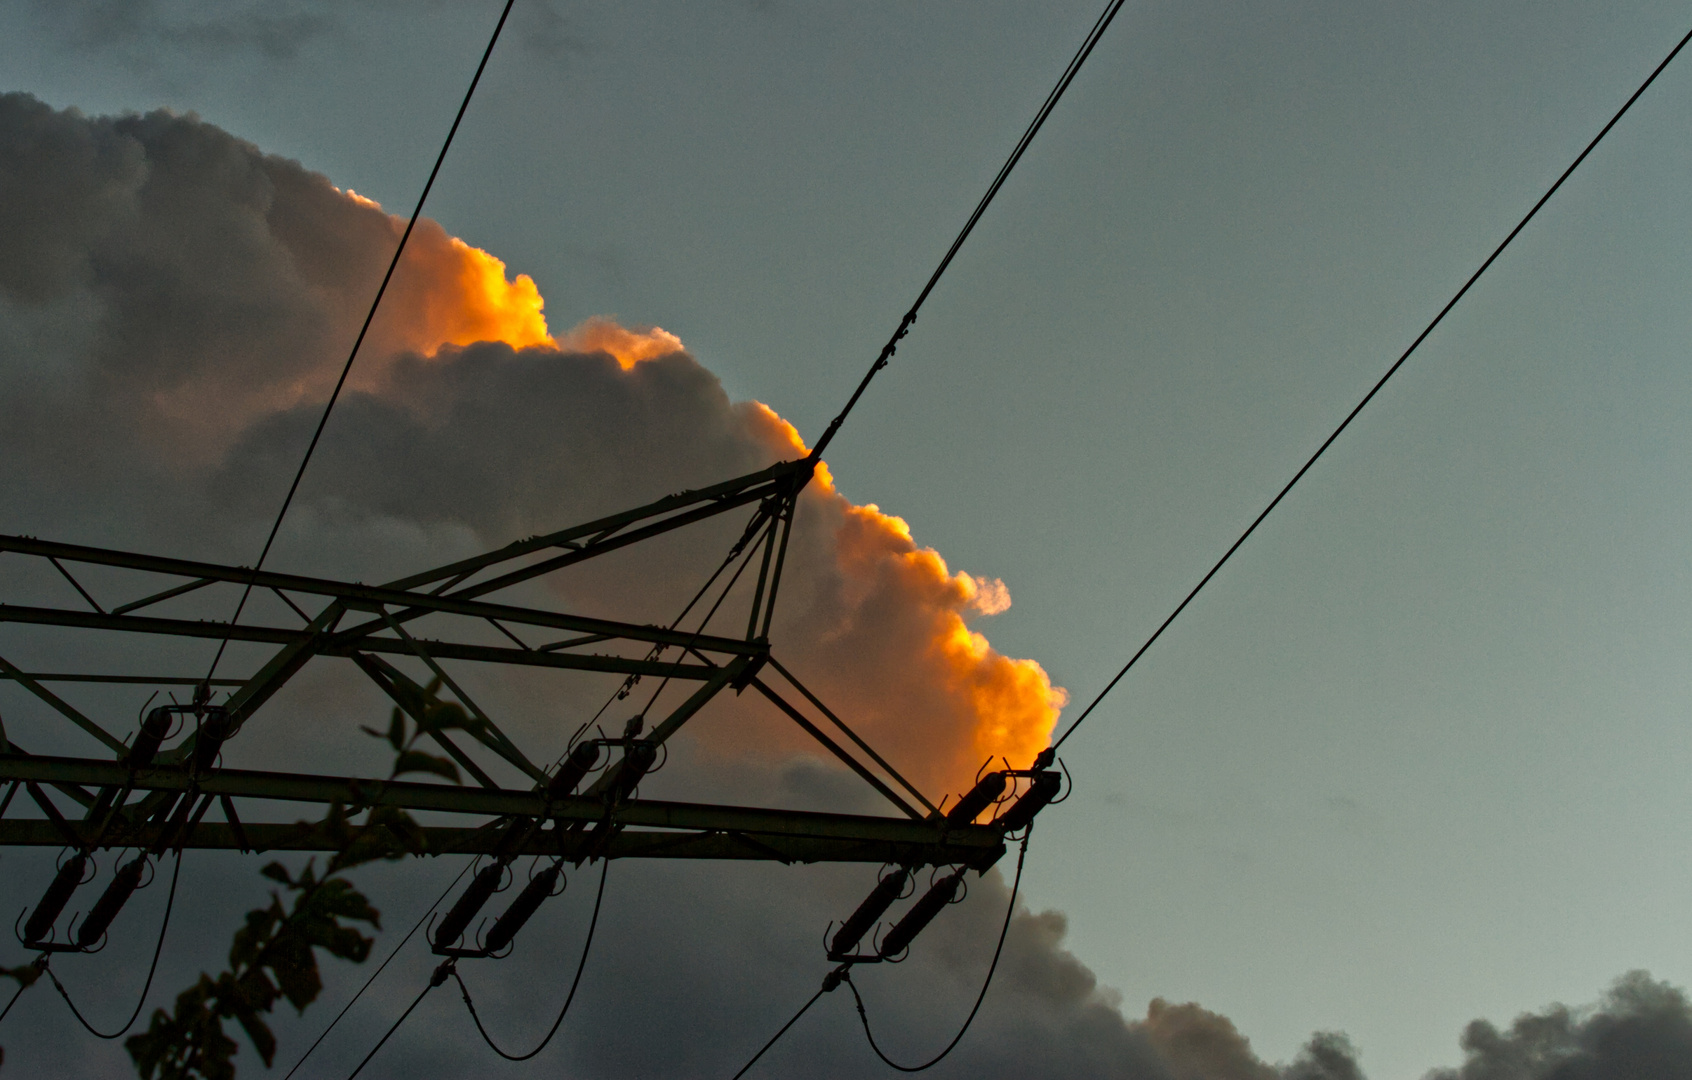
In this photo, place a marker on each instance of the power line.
(22, 986)
(1010, 910)
(346, 368)
(152, 969)
(392, 953)
(1045, 110)
(1391, 371)
(843, 974)
(803, 1009)
(593, 923)
(439, 977)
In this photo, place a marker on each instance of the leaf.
(188, 1042)
(412, 761)
(448, 715)
(25, 974)
(395, 733)
(389, 833)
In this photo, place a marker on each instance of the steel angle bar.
(75, 584)
(22, 678)
(834, 748)
(407, 605)
(788, 513)
(850, 734)
(607, 526)
(411, 700)
(594, 629)
(137, 680)
(161, 597)
(295, 608)
(506, 802)
(488, 734)
(620, 665)
(445, 840)
(333, 645)
(559, 562)
(145, 624)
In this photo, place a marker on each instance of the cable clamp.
(833, 979)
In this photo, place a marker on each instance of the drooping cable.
(1390, 372)
(998, 949)
(843, 974)
(391, 954)
(152, 968)
(1092, 39)
(346, 369)
(593, 923)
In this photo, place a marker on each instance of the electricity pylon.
(152, 789)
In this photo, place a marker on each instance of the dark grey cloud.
(172, 303)
(141, 34)
(1641, 1030)
(137, 30)
(207, 286)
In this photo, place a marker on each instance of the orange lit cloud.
(446, 292)
(877, 622)
(888, 637)
(627, 347)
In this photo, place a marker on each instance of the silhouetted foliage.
(274, 954)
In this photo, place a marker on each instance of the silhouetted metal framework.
(143, 794)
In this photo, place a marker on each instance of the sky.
(1417, 755)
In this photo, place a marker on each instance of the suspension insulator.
(53, 901)
(980, 797)
(638, 758)
(111, 901)
(475, 895)
(584, 757)
(534, 893)
(921, 914)
(879, 900)
(150, 737)
(213, 730)
(1042, 791)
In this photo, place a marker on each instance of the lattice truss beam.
(155, 793)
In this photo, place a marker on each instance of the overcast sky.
(1419, 754)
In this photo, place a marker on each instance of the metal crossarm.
(688, 828)
(435, 620)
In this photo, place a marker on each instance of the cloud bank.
(174, 306)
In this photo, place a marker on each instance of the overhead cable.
(830, 983)
(593, 923)
(1390, 372)
(418, 925)
(439, 977)
(1010, 910)
(18, 993)
(346, 369)
(152, 969)
(1045, 110)
(843, 974)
